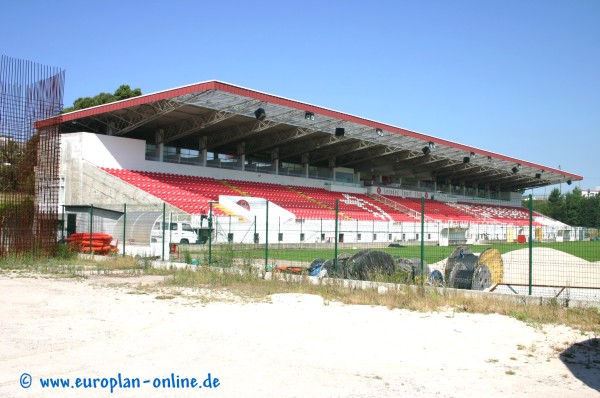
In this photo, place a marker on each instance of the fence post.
(530, 243)
(210, 230)
(164, 221)
(267, 234)
(170, 232)
(91, 228)
(64, 225)
(124, 225)
(335, 239)
(422, 239)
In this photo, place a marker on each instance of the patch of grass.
(68, 264)
(222, 253)
(491, 360)
(409, 297)
(164, 297)
(243, 283)
(510, 372)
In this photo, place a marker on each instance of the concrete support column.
(203, 149)
(241, 153)
(159, 139)
(332, 168)
(305, 164)
(275, 160)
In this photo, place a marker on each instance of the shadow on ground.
(583, 360)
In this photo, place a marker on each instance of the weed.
(164, 297)
(187, 256)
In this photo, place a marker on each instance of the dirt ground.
(103, 328)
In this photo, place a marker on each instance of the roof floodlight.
(515, 170)
(309, 115)
(426, 150)
(339, 131)
(379, 132)
(569, 182)
(260, 114)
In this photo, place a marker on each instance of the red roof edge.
(232, 89)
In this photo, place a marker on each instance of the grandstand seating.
(190, 194)
(438, 211)
(502, 214)
(194, 194)
(354, 206)
(317, 203)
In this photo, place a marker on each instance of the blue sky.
(519, 78)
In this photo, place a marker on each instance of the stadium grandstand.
(266, 167)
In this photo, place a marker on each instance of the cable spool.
(366, 264)
(329, 265)
(411, 269)
(482, 278)
(460, 267)
(493, 260)
(461, 276)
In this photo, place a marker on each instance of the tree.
(11, 157)
(556, 205)
(123, 92)
(17, 165)
(571, 208)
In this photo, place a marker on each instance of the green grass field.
(589, 251)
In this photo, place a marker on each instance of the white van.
(175, 232)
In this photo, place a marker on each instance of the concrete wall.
(127, 153)
(85, 183)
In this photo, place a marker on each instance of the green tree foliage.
(572, 208)
(123, 92)
(17, 161)
(11, 158)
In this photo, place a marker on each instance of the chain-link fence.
(500, 249)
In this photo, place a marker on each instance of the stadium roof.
(224, 118)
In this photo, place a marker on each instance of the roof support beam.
(137, 117)
(197, 123)
(278, 138)
(244, 131)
